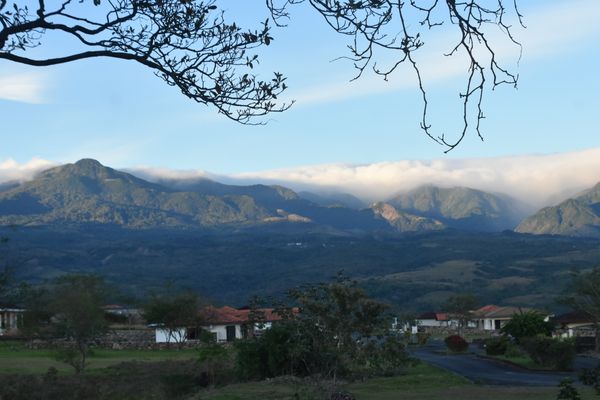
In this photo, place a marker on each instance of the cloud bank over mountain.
(12, 171)
(537, 180)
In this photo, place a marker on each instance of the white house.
(10, 320)
(492, 317)
(434, 319)
(225, 323)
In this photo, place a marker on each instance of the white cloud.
(536, 179)
(551, 30)
(11, 171)
(23, 87)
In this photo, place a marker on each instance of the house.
(434, 319)
(10, 320)
(574, 324)
(228, 324)
(493, 317)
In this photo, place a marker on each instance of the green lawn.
(422, 382)
(14, 358)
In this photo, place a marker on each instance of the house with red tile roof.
(493, 317)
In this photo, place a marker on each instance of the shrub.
(496, 346)
(567, 390)
(591, 377)
(527, 324)
(422, 338)
(545, 351)
(456, 343)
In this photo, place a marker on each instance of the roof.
(434, 315)
(494, 311)
(229, 315)
(573, 317)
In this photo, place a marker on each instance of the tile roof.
(229, 315)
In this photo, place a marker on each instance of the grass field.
(16, 359)
(421, 382)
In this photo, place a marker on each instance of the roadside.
(493, 372)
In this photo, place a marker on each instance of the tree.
(583, 294)
(175, 314)
(460, 307)
(76, 304)
(344, 330)
(338, 331)
(527, 324)
(190, 44)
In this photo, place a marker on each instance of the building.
(493, 317)
(10, 320)
(226, 324)
(434, 319)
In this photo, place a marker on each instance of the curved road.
(482, 370)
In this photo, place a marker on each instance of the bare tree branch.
(375, 25)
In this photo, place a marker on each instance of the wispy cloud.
(12, 171)
(551, 30)
(537, 179)
(23, 87)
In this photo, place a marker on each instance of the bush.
(548, 352)
(456, 343)
(496, 346)
(591, 377)
(527, 324)
(422, 338)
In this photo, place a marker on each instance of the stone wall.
(118, 339)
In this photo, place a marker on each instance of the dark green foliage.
(180, 385)
(567, 390)
(527, 324)
(338, 332)
(224, 267)
(591, 377)
(582, 295)
(549, 352)
(456, 343)
(215, 359)
(460, 306)
(164, 380)
(496, 346)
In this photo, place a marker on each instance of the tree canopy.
(191, 45)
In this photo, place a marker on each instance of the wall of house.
(168, 336)
(10, 320)
(220, 332)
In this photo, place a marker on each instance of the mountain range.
(579, 216)
(87, 192)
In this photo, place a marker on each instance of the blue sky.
(121, 114)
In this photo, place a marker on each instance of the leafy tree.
(460, 306)
(174, 313)
(76, 304)
(214, 357)
(335, 318)
(583, 294)
(192, 46)
(338, 331)
(527, 324)
(567, 390)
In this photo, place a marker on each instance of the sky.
(121, 114)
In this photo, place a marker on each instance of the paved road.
(493, 372)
